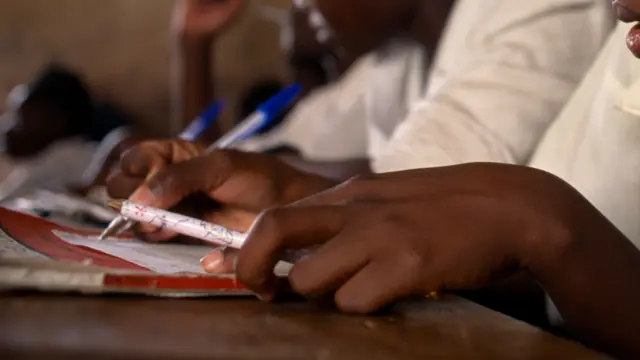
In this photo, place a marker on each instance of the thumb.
(173, 183)
(219, 261)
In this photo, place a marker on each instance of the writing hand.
(230, 187)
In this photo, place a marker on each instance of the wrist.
(194, 40)
(554, 224)
(544, 248)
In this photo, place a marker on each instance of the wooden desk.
(74, 327)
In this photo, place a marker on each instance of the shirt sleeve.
(329, 124)
(505, 69)
(102, 152)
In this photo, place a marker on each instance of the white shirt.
(72, 161)
(594, 144)
(353, 117)
(504, 70)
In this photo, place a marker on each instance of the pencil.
(196, 228)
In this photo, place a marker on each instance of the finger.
(147, 158)
(330, 265)
(175, 182)
(121, 186)
(376, 187)
(142, 158)
(361, 188)
(220, 261)
(375, 286)
(280, 229)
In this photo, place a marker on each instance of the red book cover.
(35, 253)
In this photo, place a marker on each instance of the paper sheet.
(161, 258)
(13, 249)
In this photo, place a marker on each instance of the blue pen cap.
(211, 113)
(203, 122)
(277, 104)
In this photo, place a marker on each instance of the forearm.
(192, 88)
(594, 281)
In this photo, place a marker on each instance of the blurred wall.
(122, 48)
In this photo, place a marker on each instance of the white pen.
(200, 229)
(255, 122)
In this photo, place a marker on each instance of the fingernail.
(144, 195)
(211, 263)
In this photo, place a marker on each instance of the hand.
(141, 162)
(409, 233)
(205, 18)
(231, 187)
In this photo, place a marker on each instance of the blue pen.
(202, 122)
(264, 115)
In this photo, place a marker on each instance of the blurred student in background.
(57, 137)
(196, 25)
(484, 88)
(328, 123)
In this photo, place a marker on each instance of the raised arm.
(196, 23)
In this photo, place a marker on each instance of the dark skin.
(243, 184)
(448, 234)
(197, 24)
(384, 237)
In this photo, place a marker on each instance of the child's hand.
(394, 235)
(230, 187)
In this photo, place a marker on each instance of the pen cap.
(203, 121)
(272, 108)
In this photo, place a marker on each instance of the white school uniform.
(67, 162)
(594, 144)
(504, 70)
(60, 165)
(352, 117)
